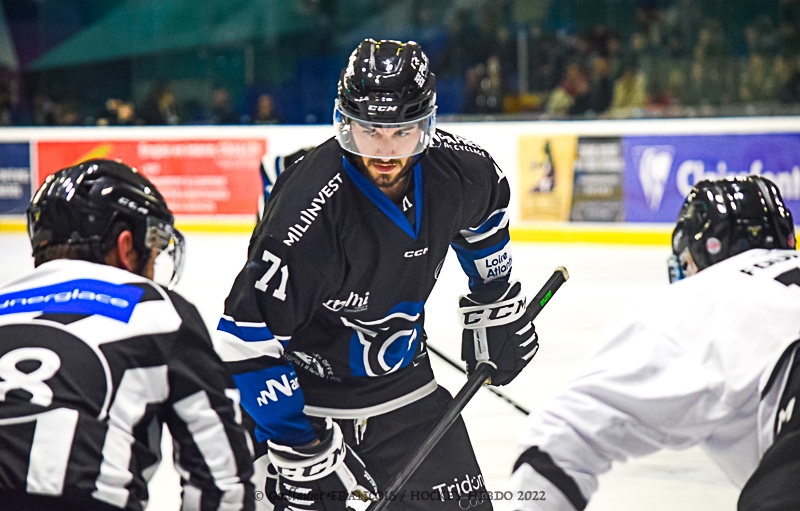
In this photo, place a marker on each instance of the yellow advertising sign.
(546, 174)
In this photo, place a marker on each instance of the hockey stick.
(493, 390)
(474, 382)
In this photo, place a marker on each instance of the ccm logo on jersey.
(416, 253)
(285, 386)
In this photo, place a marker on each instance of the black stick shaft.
(474, 382)
(493, 390)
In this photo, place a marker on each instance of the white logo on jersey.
(654, 167)
(354, 303)
(450, 141)
(285, 387)
(494, 265)
(785, 415)
(463, 488)
(416, 253)
(310, 214)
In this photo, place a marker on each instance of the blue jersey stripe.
(493, 221)
(245, 333)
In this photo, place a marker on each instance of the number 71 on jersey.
(274, 263)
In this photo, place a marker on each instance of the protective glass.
(172, 249)
(383, 140)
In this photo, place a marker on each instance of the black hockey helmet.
(386, 84)
(725, 217)
(80, 204)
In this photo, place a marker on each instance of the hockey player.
(95, 357)
(709, 360)
(325, 321)
(270, 168)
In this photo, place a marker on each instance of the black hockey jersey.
(326, 318)
(93, 359)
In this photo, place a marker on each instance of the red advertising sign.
(196, 177)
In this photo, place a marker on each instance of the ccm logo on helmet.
(492, 314)
(416, 253)
(382, 108)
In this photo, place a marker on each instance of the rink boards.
(587, 181)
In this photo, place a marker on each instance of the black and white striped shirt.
(93, 360)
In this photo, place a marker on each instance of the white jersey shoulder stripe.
(497, 220)
(371, 411)
(233, 349)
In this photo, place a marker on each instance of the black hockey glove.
(498, 330)
(321, 477)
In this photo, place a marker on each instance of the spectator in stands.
(782, 73)
(572, 94)
(67, 113)
(598, 39)
(507, 55)
(484, 88)
(615, 56)
(700, 91)
(459, 54)
(222, 109)
(486, 43)
(541, 77)
(601, 88)
(265, 111)
(43, 110)
(791, 90)
(6, 105)
(118, 113)
(630, 92)
(756, 85)
(429, 31)
(160, 106)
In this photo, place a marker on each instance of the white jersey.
(690, 364)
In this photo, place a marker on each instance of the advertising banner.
(15, 178)
(597, 187)
(545, 180)
(196, 177)
(661, 170)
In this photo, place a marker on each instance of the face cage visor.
(171, 245)
(383, 140)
